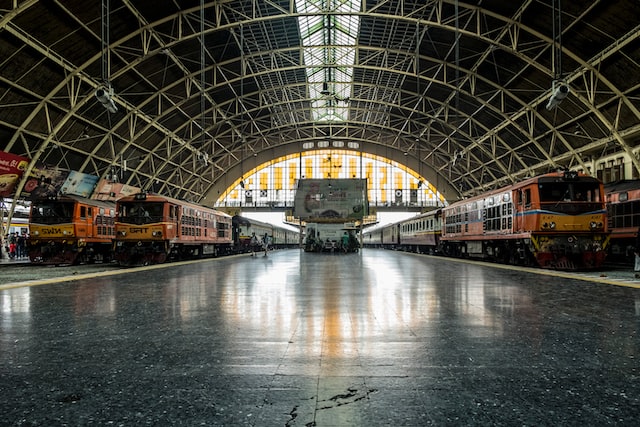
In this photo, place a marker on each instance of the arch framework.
(458, 88)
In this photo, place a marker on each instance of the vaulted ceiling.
(459, 88)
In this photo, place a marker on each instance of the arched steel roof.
(471, 114)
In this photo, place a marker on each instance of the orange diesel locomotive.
(557, 221)
(70, 230)
(151, 229)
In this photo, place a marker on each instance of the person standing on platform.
(636, 267)
(345, 242)
(254, 243)
(22, 245)
(265, 243)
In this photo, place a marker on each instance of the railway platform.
(376, 338)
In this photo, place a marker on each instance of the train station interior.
(233, 106)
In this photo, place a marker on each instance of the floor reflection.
(325, 332)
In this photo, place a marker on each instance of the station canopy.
(175, 96)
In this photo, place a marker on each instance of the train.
(556, 221)
(623, 219)
(140, 229)
(420, 234)
(278, 237)
(70, 230)
(152, 229)
(563, 220)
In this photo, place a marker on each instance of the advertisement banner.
(107, 190)
(11, 169)
(79, 184)
(331, 199)
(44, 182)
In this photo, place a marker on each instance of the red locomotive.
(70, 230)
(152, 229)
(557, 220)
(623, 208)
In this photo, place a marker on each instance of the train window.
(526, 199)
(623, 197)
(90, 212)
(83, 211)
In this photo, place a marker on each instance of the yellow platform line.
(541, 271)
(97, 274)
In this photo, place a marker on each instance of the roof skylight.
(329, 36)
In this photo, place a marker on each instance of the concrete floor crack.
(353, 395)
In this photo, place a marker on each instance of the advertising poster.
(44, 181)
(79, 184)
(331, 199)
(107, 190)
(11, 169)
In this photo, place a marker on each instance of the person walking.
(265, 243)
(254, 243)
(345, 242)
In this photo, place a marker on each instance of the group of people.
(347, 243)
(16, 245)
(258, 243)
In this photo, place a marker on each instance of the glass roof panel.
(329, 31)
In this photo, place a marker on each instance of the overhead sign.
(331, 199)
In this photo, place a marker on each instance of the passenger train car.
(279, 237)
(623, 218)
(557, 221)
(420, 234)
(18, 225)
(152, 229)
(69, 230)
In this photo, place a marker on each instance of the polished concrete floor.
(299, 339)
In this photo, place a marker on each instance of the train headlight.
(36, 233)
(552, 225)
(545, 225)
(157, 234)
(122, 233)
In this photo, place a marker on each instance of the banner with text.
(331, 199)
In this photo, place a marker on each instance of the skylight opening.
(329, 35)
